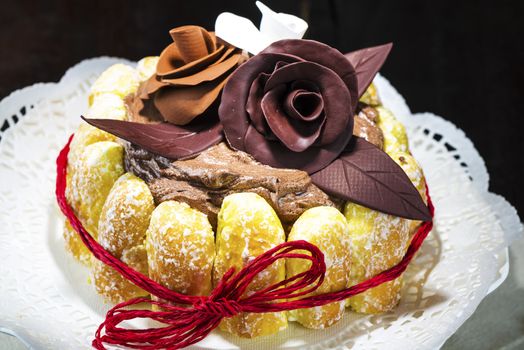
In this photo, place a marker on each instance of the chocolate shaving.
(367, 62)
(165, 139)
(366, 175)
(203, 182)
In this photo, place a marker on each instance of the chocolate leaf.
(165, 139)
(366, 175)
(367, 62)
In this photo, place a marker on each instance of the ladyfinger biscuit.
(93, 176)
(370, 96)
(247, 227)
(326, 228)
(180, 248)
(146, 67)
(119, 79)
(395, 137)
(413, 170)
(75, 245)
(121, 231)
(378, 242)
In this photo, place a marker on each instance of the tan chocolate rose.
(189, 77)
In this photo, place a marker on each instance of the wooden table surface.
(463, 60)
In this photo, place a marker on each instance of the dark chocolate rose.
(292, 105)
(190, 75)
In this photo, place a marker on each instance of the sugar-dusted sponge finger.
(107, 106)
(326, 228)
(180, 248)
(119, 79)
(125, 215)
(75, 245)
(146, 67)
(93, 176)
(111, 285)
(415, 173)
(247, 227)
(395, 137)
(378, 242)
(370, 96)
(121, 231)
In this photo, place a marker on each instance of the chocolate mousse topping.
(204, 181)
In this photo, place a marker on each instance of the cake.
(206, 156)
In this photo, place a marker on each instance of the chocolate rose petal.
(178, 67)
(232, 111)
(337, 100)
(295, 134)
(188, 80)
(142, 109)
(171, 62)
(165, 139)
(193, 42)
(325, 55)
(149, 87)
(256, 93)
(277, 155)
(304, 105)
(304, 85)
(211, 73)
(180, 106)
(183, 70)
(281, 64)
(214, 71)
(367, 63)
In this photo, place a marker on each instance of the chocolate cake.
(203, 158)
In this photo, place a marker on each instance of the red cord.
(186, 325)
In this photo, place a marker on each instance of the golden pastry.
(370, 96)
(105, 106)
(108, 106)
(75, 245)
(146, 67)
(180, 248)
(119, 79)
(413, 170)
(395, 137)
(378, 242)
(121, 231)
(93, 175)
(326, 228)
(247, 227)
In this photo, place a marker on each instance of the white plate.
(46, 301)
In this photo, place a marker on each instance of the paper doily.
(46, 301)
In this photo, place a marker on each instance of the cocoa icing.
(204, 181)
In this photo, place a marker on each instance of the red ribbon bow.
(189, 319)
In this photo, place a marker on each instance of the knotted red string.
(188, 319)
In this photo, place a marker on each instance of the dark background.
(463, 60)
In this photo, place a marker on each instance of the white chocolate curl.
(242, 33)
